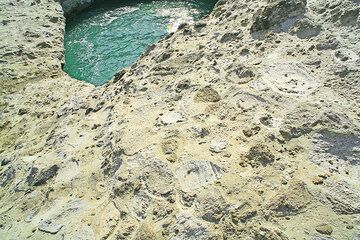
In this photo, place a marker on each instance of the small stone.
(207, 94)
(172, 118)
(230, 36)
(324, 175)
(257, 62)
(163, 57)
(199, 25)
(54, 19)
(22, 111)
(305, 28)
(218, 145)
(200, 132)
(169, 146)
(284, 181)
(328, 44)
(44, 45)
(5, 161)
(318, 180)
(49, 227)
(182, 85)
(324, 229)
(187, 199)
(249, 132)
(226, 154)
(171, 158)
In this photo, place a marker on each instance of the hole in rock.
(111, 35)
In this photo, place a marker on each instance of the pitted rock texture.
(243, 125)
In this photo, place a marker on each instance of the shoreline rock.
(239, 134)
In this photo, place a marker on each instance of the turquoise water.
(111, 35)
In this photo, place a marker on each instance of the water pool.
(111, 35)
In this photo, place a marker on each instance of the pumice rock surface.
(243, 125)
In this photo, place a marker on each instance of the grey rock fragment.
(343, 198)
(54, 19)
(212, 206)
(189, 227)
(31, 176)
(45, 175)
(199, 132)
(276, 12)
(22, 111)
(49, 227)
(331, 43)
(182, 85)
(267, 233)
(230, 36)
(306, 29)
(111, 164)
(321, 238)
(7, 176)
(140, 204)
(334, 151)
(241, 74)
(350, 16)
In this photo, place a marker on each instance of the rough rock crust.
(244, 125)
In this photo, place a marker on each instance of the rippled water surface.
(110, 36)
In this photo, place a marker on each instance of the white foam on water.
(176, 16)
(112, 15)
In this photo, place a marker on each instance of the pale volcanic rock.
(243, 125)
(172, 118)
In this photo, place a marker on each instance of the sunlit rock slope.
(244, 125)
